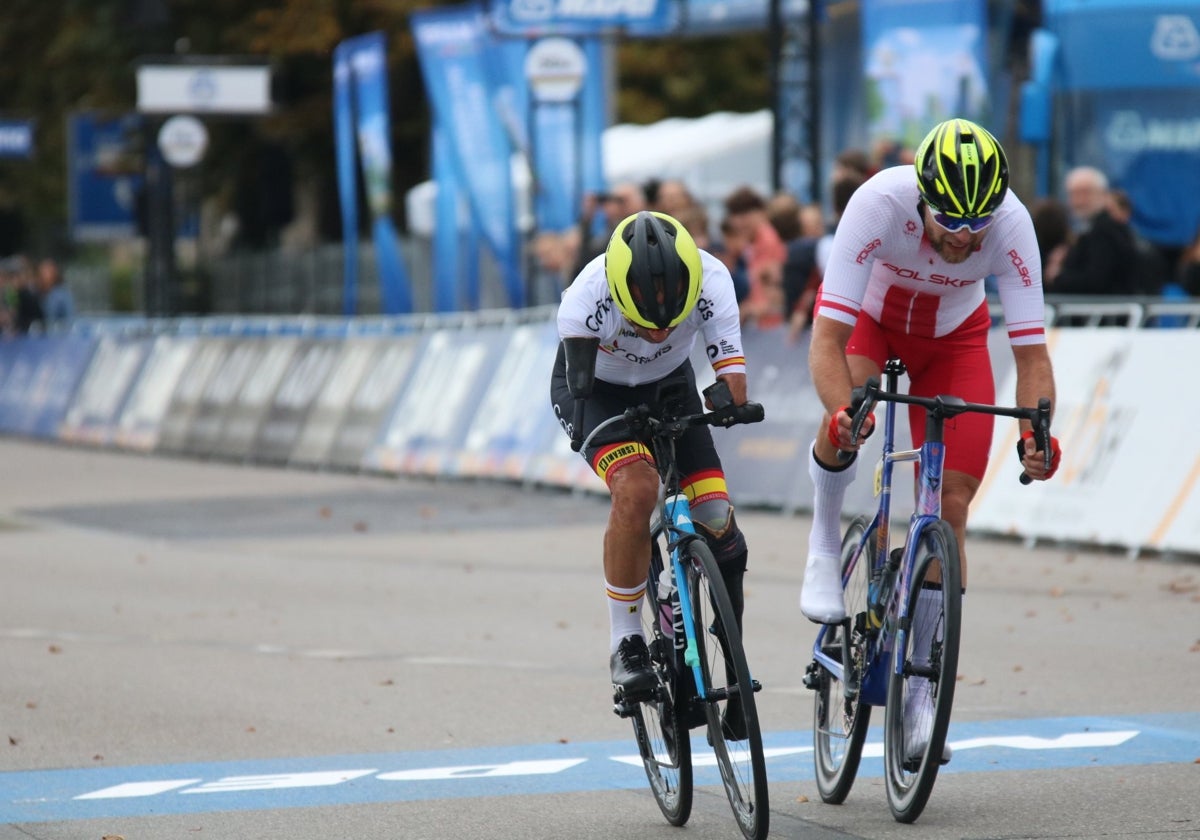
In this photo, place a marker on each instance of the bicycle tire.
(839, 721)
(740, 760)
(910, 778)
(663, 739)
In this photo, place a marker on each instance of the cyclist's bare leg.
(634, 489)
(958, 489)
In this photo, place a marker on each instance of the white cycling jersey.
(587, 311)
(883, 264)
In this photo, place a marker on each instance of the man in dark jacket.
(1102, 260)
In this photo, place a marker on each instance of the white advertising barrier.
(141, 421)
(94, 410)
(1125, 415)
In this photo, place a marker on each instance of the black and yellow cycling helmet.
(961, 170)
(653, 270)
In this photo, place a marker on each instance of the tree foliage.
(75, 55)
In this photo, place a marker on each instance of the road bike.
(693, 636)
(889, 651)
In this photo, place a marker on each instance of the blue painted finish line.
(54, 795)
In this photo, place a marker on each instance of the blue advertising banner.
(346, 161)
(103, 176)
(542, 17)
(1126, 45)
(452, 45)
(368, 65)
(923, 68)
(1150, 147)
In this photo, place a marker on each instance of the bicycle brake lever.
(1041, 438)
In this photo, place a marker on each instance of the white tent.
(713, 155)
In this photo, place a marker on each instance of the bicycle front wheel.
(840, 718)
(728, 694)
(921, 687)
(658, 726)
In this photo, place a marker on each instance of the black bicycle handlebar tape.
(1041, 437)
(734, 415)
(581, 377)
(862, 401)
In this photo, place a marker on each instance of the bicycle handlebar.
(643, 417)
(864, 398)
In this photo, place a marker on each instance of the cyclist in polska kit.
(906, 279)
(646, 300)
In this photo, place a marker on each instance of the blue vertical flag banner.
(104, 176)
(593, 118)
(922, 68)
(368, 65)
(447, 255)
(346, 160)
(452, 46)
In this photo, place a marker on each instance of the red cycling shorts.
(957, 364)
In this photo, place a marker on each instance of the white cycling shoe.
(918, 725)
(821, 595)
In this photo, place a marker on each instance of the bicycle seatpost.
(581, 378)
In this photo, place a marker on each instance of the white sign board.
(210, 89)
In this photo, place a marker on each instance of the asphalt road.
(202, 650)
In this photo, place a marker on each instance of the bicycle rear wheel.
(662, 736)
(840, 719)
(733, 727)
(921, 690)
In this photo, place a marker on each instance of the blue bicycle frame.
(930, 458)
(678, 528)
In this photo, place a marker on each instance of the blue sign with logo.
(105, 176)
(1127, 45)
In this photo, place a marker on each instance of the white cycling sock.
(624, 613)
(825, 539)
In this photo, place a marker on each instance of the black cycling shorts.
(616, 444)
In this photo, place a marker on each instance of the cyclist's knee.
(634, 489)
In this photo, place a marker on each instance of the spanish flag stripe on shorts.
(705, 486)
(611, 458)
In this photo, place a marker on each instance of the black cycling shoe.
(631, 671)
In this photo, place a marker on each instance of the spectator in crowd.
(671, 197)
(800, 276)
(1188, 273)
(1103, 258)
(1151, 271)
(694, 219)
(58, 304)
(622, 200)
(843, 187)
(731, 250)
(765, 255)
(21, 292)
(852, 162)
(1052, 224)
(783, 211)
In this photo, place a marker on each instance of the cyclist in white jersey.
(644, 302)
(906, 280)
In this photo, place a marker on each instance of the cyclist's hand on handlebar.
(839, 430)
(1032, 459)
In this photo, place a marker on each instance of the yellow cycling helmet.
(653, 269)
(961, 170)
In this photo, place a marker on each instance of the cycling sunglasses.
(953, 224)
